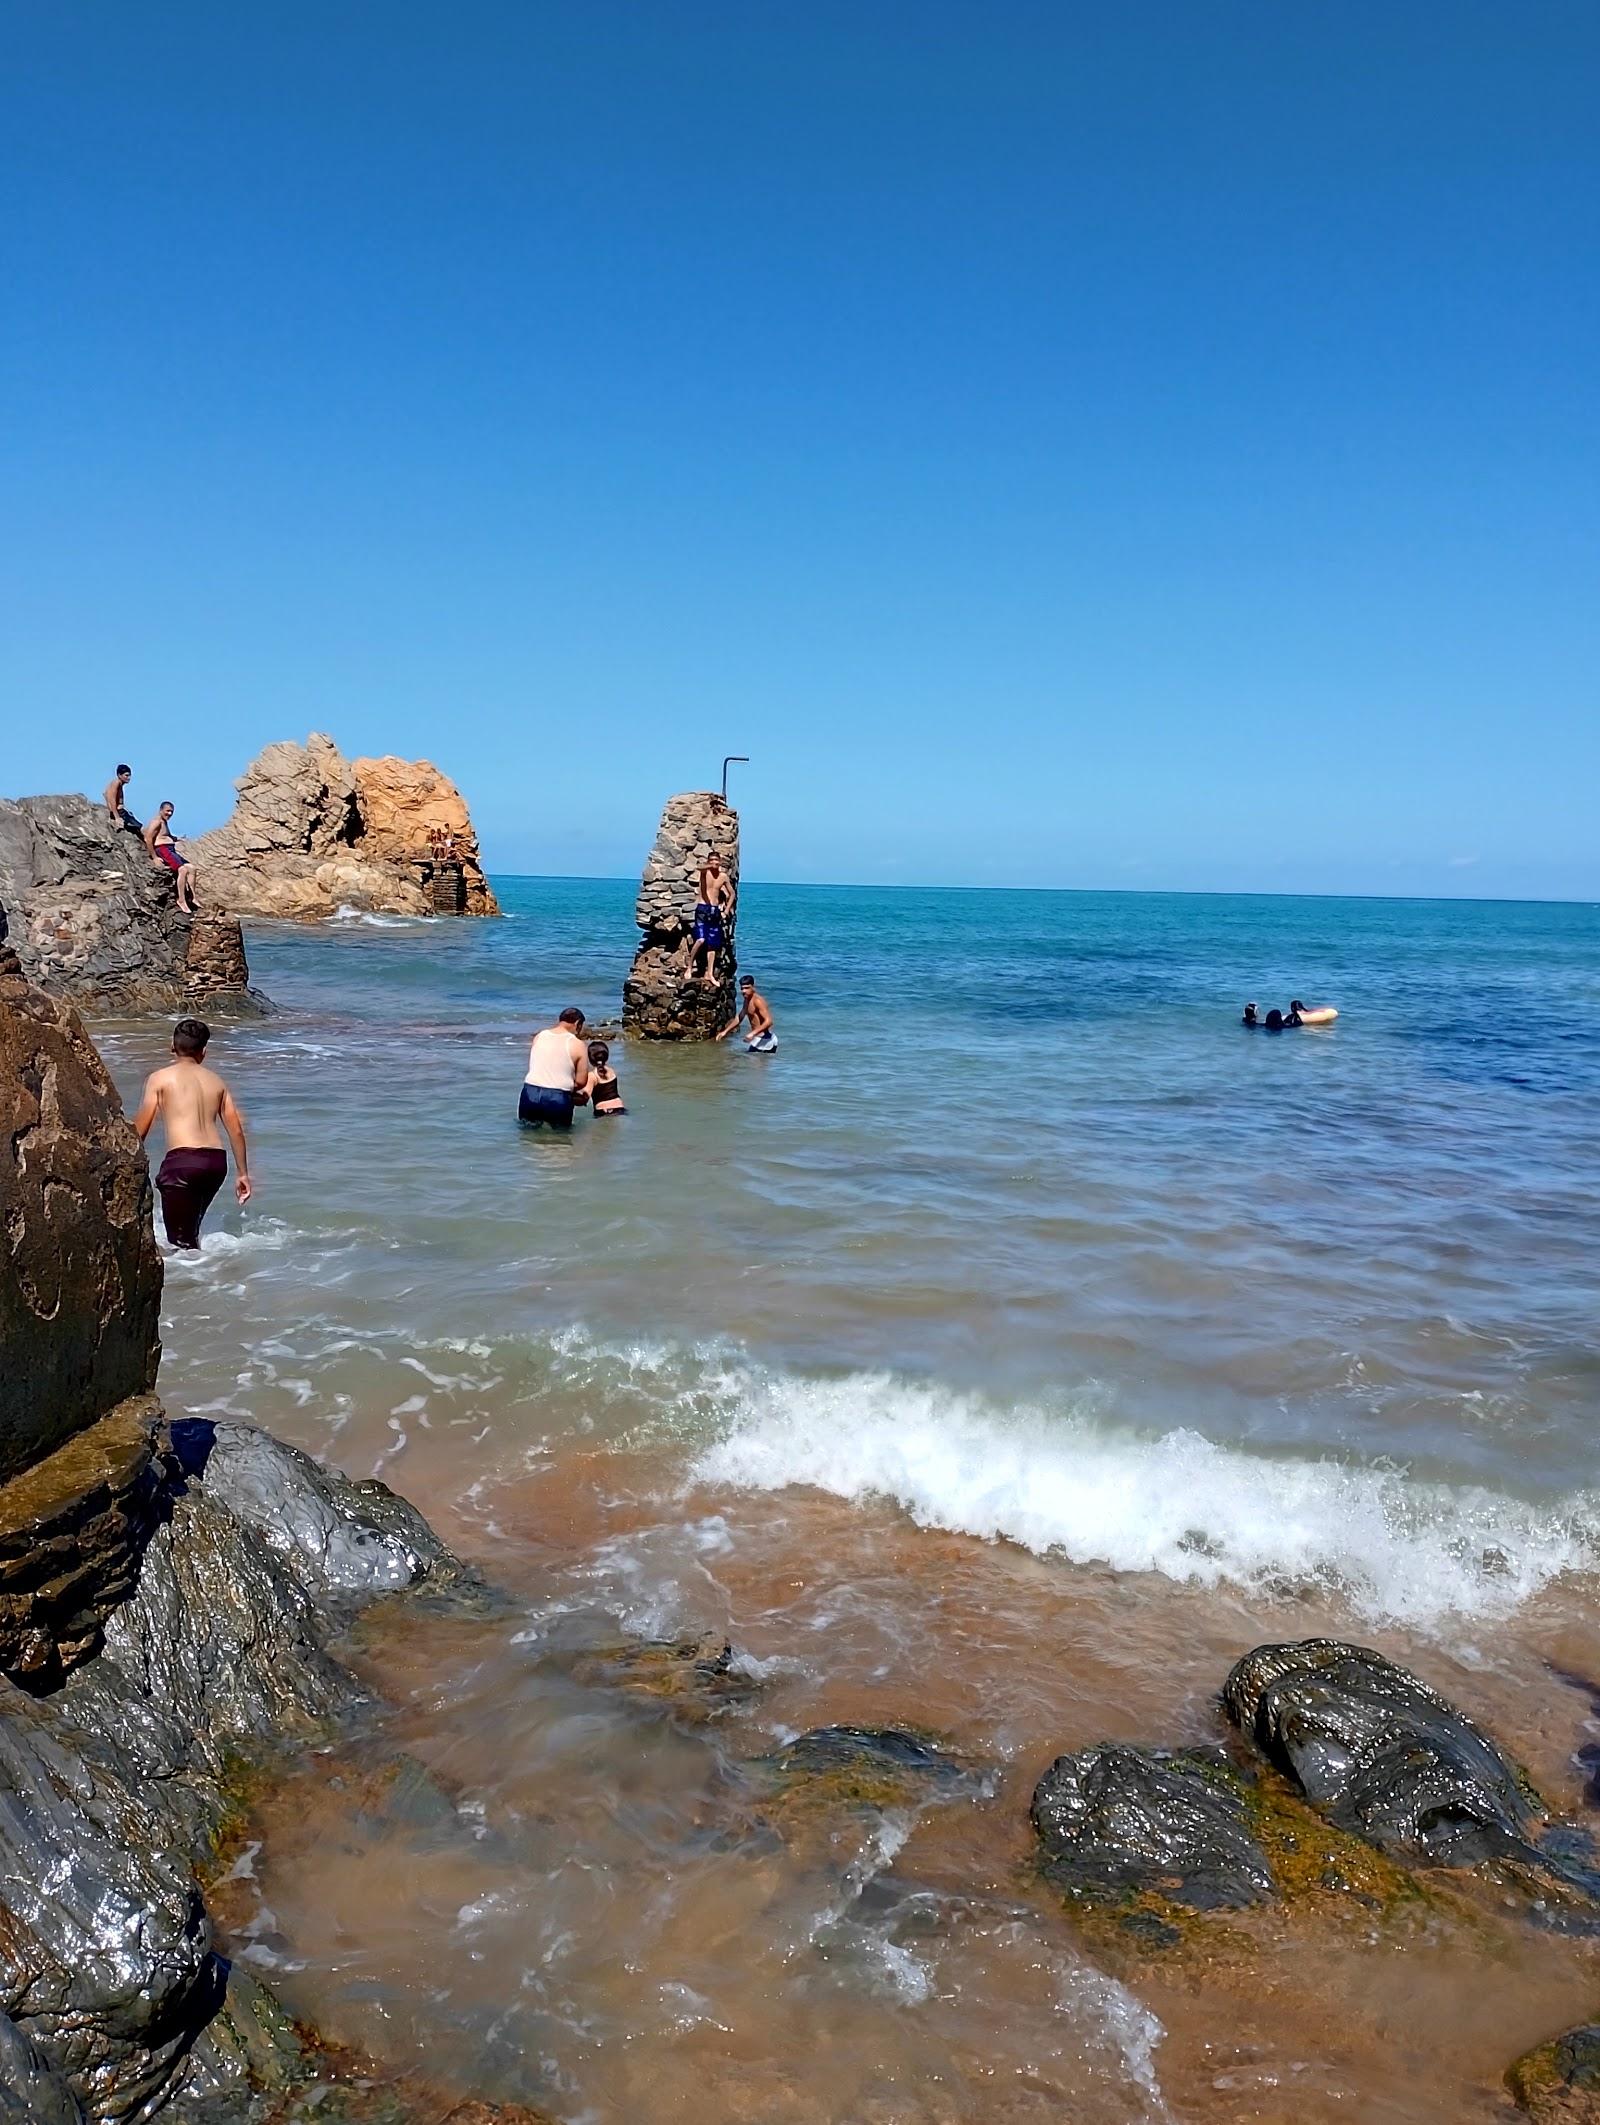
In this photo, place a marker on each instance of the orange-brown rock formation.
(313, 832)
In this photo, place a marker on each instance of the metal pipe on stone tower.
(661, 1000)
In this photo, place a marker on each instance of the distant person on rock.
(164, 850)
(711, 916)
(117, 811)
(558, 1075)
(605, 1087)
(757, 1016)
(191, 1101)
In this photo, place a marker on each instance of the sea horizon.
(1144, 892)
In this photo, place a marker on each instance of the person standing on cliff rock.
(711, 916)
(191, 1101)
(558, 1075)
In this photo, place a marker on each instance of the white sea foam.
(345, 913)
(1068, 1484)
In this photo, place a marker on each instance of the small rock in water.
(1559, 2083)
(1380, 1754)
(1117, 1821)
(856, 1768)
(695, 1678)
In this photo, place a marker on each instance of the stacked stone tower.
(660, 1000)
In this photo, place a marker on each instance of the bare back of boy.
(189, 1100)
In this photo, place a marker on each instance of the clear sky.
(1136, 444)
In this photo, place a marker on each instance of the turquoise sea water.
(1020, 1227)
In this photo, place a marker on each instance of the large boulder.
(312, 832)
(92, 920)
(80, 1277)
(659, 999)
(1381, 1755)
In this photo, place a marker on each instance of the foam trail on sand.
(1398, 1549)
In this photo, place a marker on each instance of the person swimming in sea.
(1298, 1014)
(605, 1087)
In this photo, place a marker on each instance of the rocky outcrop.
(80, 1277)
(1116, 1822)
(313, 832)
(94, 921)
(660, 999)
(115, 1785)
(170, 1600)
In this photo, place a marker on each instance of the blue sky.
(1152, 445)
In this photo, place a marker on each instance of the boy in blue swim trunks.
(714, 909)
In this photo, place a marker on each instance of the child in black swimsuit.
(605, 1088)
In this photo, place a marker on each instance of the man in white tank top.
(558, 1075)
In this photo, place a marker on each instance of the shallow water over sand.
(1019, 1237)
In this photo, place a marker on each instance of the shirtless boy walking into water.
(756, 1015)
(191, 1102)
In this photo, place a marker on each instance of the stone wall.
(659, 999)
(93, 920)
(313, 832)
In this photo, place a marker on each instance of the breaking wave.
(1064, 1484)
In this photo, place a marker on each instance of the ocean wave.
(1070, 1485)
(345, 913)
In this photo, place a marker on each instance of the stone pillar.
(215, 969)
(659, 1001)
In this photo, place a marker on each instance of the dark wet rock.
(342, 1540)
(29, 2090)
(1117, 1822)
(866, 1767)
(80, 1277)
(106, 1960)
(1559, 2083)
(692, 1678)
(93, 920)
(118, 1781)
(1380, 1754)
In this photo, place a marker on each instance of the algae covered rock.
(1380, 1754)
(1559, 2083)
(693, 1679)
(865, 1768)
(1117, 1822)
